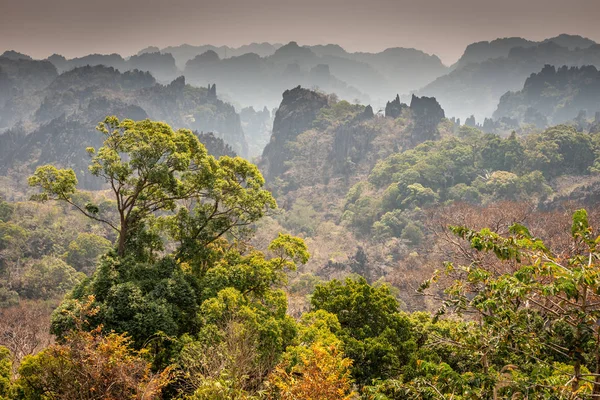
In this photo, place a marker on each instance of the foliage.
(184, 289)
(84, 251)
(375, 334)
(148, 168)
(48, 278)
(541, 317)
(5, 372)
(323, 373)
(89, 365)
(475, 167)
(244, 327)
(338, 113)
(301, 218)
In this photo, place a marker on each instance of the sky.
(442, 27)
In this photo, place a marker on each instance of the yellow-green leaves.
(153, 170)
(55, 183)
(291, 247)
(580, 227)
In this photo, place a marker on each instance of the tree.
(322, 374)
(541, 316)
(13, 243)
(242, 304)
(25, 329)
(149, 168)
(6, 211)
(89, 365)
(83, 252)
(375, 334)
(5, 372)
(48, 278)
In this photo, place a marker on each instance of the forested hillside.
(184, 237)
(184, 275)
(350, 179)
(553, 96)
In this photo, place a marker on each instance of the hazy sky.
(442, 27)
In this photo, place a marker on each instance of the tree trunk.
(121, 247)
(122, 236)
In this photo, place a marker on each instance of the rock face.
(212, 91)
(393, 109)
(351, 144)
(427, 114)
(297, 111)
(60, 117)
(368, 112)
(18, 79)
(553, 96)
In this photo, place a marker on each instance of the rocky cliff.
(56, 124)
(427, 114)
(296, 114)
(553, 96)
(20, 78)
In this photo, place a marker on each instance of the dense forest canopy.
(279, 221)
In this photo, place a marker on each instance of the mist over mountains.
(286, 221)
(234, 92)
(487, 70)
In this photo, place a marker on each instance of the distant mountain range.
(186, 52)
(179, 85)
(256, 74)
(553, 96)
(487, 70)
(500, 48)
(47, 116)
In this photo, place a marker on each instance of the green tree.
(375, 334)
(13, 245)
(6, 211)
(497, 154)
(83, 252)
(149, 168)
(538, 330)
(243, 324)
(5, 373)
(48, 278)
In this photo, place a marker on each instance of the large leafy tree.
(375, 334)
(242, 319)
(536, 330)
(151, 169)
(209, 279)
